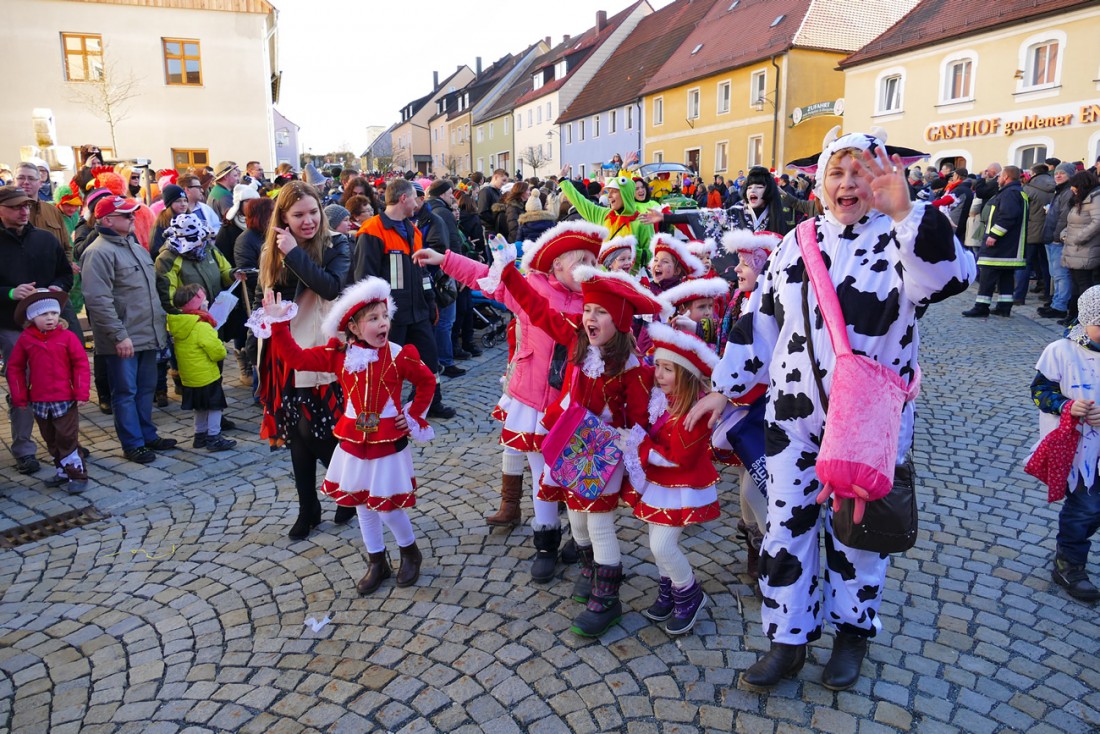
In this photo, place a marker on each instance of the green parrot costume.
(619, 224)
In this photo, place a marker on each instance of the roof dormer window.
(536, 80)
(560, 69)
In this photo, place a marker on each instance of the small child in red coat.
(48, 370)
(671, 480)
(372, 466)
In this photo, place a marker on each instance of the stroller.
(493, 317)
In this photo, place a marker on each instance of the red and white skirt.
(672, 506)
(384, 484)
(523, 429)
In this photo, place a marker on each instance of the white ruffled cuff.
(632, 460)
(419, 428)
(503, 256)
(259, 323)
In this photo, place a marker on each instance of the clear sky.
(348, 64)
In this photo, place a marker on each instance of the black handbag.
(889, 524)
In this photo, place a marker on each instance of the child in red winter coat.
(49, 372)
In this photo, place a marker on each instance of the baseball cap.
(109, 205)
(12, 196)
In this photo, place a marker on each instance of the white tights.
(671, 562)
(370, 525)
(754, 505)
(512, 462)
(598, 530)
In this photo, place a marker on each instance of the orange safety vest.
(392, 241)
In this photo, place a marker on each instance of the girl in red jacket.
(48, 370)
(671, 479)
(371, 468)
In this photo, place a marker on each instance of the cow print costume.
(885, 273)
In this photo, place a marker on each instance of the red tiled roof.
(649, 45)
(578, 49)
(934, 21)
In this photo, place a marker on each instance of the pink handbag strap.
(806, 234)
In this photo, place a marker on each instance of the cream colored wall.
(461, 149)
(997, 94)
(229, 115)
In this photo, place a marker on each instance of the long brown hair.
(615, 353)
(686, 391)
(271, 258)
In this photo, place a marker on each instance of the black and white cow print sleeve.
(933, 265)
(748, 352)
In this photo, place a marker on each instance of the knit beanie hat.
(1067, 168)
(335, 214)
(170, 194)
(1088, 314)
(439, 187)
(534, 202)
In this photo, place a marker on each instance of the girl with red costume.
(671, 480)
(371, 468)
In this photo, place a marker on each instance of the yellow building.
(721, 106)
(1012, 82)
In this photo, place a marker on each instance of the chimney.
(479, 66)
(565, 38)
(547, 40)
(435, 80)
(601, 20)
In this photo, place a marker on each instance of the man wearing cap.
(32, 258)
(128, 324)
(226, 176)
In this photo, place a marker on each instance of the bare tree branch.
(108, 97)
(534, 156)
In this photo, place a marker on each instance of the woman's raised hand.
(709, 408)
(284, 240)
(886, 177)
(274, 306)
(428, 256)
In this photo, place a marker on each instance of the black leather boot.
(842, 670)
(980, 310)
(1003, 309)
(604, 608)
(343, 514)
(781, 661)
(546, 554)
(309, 517)
(1075, 580)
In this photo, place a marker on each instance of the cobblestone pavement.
(184, 611)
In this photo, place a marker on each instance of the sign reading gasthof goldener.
(1087, 114)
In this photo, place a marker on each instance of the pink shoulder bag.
(863, 409)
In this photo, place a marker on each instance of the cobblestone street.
(186, 609)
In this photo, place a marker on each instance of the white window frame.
(584, 170)
(758, 90)
(880, 83)
(724, 94)
(630, 117)
(595, 127)
(549, 150)
(658, 156)
(491, 126)
(658, 111)
(612, 119)
(751, 153)
(549, 109)
(568, 128)
(519, 121)
(580, 131)
(697, 94)
(481, 133)
(530, 118)
(536, 80)
(721, 156)
(560, 69)
(1015, 151)
(946, 67)
(481, 164)
(1026, 60)
(539, 115)
(687, 158)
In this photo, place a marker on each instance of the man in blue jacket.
(1003, 249)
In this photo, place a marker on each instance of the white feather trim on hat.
(690, 290)
(737, 240)
(682, 341)
(584, 273)
(619, 243)
(695, 267)
(707, 247)
(368, 290)
(530, 249)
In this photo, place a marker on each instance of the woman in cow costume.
(888, 258)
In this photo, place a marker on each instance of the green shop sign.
(817, 109)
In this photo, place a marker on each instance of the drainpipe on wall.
(638, 118)
(775, 114)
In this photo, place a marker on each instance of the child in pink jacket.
(48, 371)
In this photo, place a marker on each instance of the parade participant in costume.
(534, 379)
(621, 218)
(888, 258)
(371, 469)
(199, 354)
(606, 378)
(693, 301)
(48, 372)
(618, 254)
(761, 206)
(301, 263)
(672, 262)
(671, 480)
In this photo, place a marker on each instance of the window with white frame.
(452, 137)
(1029, 155)
(889, 93)
(721, 156)
(596, 126)
(756, 150)
(724, 97)
(530, 118)
(1042, 64)
(630, 117)
(481, 164)
(539, 116)
(584, 170)
(568, 129)
(549, 150)
(548, 115)
(612, 121)
(958, 80)
(519, 121)
(507, 124)
(491, 126)
(659, 111)
(580, 130)
(693, 104)
(481, 133)
(658, 156)
(560, 69)
(758, 88)
(536, 80)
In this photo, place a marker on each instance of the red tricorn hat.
(620, 295)
(565, 237)
(613, 248)
(682, 348)
(692, 290)
(692, 266)
(356, 297)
